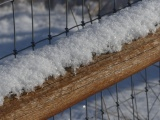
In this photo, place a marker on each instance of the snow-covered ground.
(30, 68)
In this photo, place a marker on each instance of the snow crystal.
(30, 69)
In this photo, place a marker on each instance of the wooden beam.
(63, 92)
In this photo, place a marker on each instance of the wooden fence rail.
(63, 92)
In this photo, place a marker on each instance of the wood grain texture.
(59, 94)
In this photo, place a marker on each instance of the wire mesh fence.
(135, 98)
(89, 11)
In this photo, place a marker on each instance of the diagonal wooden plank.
(63, 92)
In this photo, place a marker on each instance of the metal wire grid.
(104, 108)
(50, 37)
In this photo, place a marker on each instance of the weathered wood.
(63, 92)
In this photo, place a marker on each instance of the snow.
(24, 28)
(31, 68)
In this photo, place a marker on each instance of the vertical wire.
(99, 11)
(136, 108)
(105, 108)
(114, 9)
(132, 96)
(67, 30)
(102, 111)
(33, 43)
(70, 111)
(129, 3)
(74, 18)
(49, 12)
(146, 90)
(83, 24)
(82, 10)
(95, 106)
(14, 27)
(90, 17)
(117, 102)
(86, 102)
(49, 15)
(157, 98)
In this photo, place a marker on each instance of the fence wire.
(119, 105)
(135, 98)
(49, 37)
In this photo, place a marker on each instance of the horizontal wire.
(156, 66)
(6, 2)
(53, 36)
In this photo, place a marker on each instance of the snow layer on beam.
(31, 69)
